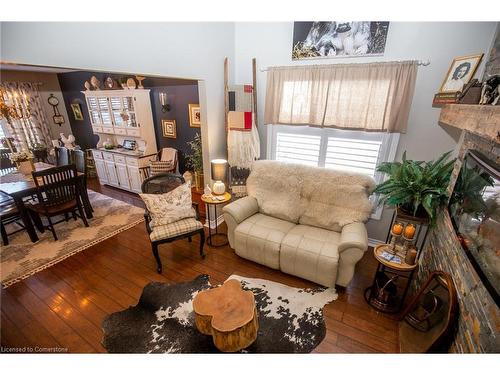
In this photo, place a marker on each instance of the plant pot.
(25, 167)
(407, 210)
(198, 180)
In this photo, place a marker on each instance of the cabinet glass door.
(93, 111)
(117, 110)
(123, 111)
(104, 111)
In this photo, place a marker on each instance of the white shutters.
(298, 148)
(353, 155)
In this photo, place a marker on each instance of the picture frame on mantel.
(460, 73)
(194, 116)
(169, 128)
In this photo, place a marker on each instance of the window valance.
(370, 97)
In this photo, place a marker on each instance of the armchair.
(188, 227)
(166, 161)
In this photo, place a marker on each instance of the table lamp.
(218, 167)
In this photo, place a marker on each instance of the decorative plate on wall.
(95, 82)
(131, 83)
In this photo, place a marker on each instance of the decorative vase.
(26, 166)
(198, 179)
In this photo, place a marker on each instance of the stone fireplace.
(478, 328)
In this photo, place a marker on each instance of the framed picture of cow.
(331, 39)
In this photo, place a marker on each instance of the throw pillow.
(157, 167)
(169, 207)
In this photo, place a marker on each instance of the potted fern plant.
(195, 160)
(416, 187)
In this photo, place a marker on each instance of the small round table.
(375, 294)
(212, 200)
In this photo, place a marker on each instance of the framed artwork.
(194, 115)
(77, 111)
(169, 128)
(330, 39)
(461, 71)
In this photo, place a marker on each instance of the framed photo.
(77, 111)
(194, 115)
(461, 71)
(331, 39)
(169, 128)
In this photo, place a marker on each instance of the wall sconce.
(165, 107)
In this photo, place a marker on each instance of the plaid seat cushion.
(174, 229)
(157, 167)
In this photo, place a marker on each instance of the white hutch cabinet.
(119, 115)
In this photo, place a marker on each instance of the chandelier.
(13, 106)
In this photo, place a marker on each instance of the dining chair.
(160, 184)
(9, 214)
(80, 160)
(6, 165)
(62, 156)
(57, 194)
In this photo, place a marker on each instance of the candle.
(397, 229)
(409, 231)
(411, 255)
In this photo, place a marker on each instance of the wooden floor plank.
(64, 305)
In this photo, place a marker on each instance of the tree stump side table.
(228, 314)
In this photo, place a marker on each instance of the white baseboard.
(220, 220)
(374, 242)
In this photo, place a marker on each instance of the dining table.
(20, 186)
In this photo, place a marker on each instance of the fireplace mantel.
(483, 120)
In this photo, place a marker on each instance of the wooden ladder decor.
(239, 174)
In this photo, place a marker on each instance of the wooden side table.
(384, 294)
(213, 232)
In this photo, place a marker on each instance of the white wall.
(439, 42)
(50, 85)
(197, 51)
(184, 50)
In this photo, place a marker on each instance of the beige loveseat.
(304, 221)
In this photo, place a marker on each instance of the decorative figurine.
(69, 142)
(207, 191)
(140, 79)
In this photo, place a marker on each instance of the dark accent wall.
(180, 94)
(178, 97)
(479, 316)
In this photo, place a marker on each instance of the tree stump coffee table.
(228, 314)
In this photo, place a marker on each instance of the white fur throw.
(313, 196)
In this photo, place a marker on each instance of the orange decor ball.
(397, 229)
(410, 231)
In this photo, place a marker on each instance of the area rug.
(290, 319)
(22, 258)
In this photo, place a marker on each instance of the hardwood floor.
(63, 306)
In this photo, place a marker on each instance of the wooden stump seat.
(228, 314)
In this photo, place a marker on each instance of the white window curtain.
(370, 97)
(34, 128)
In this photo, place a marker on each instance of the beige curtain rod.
(419, 62)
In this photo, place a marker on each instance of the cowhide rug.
(290, 319)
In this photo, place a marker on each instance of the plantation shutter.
(352, 155)
(298, 148)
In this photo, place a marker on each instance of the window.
(353, 151)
